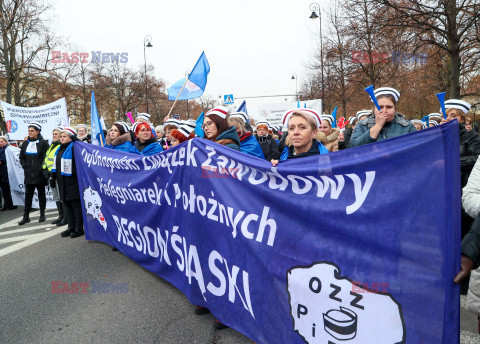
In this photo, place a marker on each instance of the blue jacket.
(227, 137)
(124, 147)
(249, 145)
(398, 127)
(316, 149)
(152, 147)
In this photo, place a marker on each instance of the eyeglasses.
(207, 124)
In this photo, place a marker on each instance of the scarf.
(32, 147)
(66, 162)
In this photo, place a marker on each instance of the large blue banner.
(359, 246)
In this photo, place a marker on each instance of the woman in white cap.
(266, 141)
(327, 135)
(64, 172)
(47, 168)
(146, 144)
(4, 183)
(384, 123)
(82, 133)
(302, 126)
(32, 155)
(248, 144)
(362, 114)
(435, 117)
(216, 128)
(185, 132)
(168, 126)
(119, 137)
(418, 124)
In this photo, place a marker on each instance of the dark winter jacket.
(67, 185)
(316, 149)
(347, 134)
(469, 151)
(32, 163)
(229, 138)
(269, 147)
(398, 127)
(3, 165)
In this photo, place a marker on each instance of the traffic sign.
(228, 99)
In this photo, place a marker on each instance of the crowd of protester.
(304, 133)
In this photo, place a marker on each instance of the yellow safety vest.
(50, 157)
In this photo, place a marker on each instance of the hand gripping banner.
(358, 246)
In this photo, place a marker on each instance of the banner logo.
(93, 206)
(326, 308)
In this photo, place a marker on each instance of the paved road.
(143, 309)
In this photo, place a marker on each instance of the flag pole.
(169, 112)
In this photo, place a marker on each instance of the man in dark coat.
(32, 155)
(5, 185)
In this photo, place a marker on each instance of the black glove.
(52, 183)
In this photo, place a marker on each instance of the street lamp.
(314, 7)
(294, 76)
(146, 44)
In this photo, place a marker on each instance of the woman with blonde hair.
(327, 135)
(302, 126)
(248, 144)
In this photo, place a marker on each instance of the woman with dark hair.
(146, 143)
(64, 173)
(119, 137)
(266, 141)
(216, 128)
(248, 144)
(32, 155)
(302, 126)
(384, 123)
(7, 196)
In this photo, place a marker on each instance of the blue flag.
(327, 248)
(334, 115)
(243, 108)
(197, 80)
(97, 133)
(199, 125)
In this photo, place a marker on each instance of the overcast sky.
(252, 46)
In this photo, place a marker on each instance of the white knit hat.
(328, 118)
(219, 111)
(186, 128)
(242, 115)
(36, 125)
(310, 112)
(458, 104)
(69, 130)
(387, 90)
(144, 116)
(363, 113)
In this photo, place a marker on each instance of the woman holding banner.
(146, 143)
(302, 126)
(32, 155)
(384, 123)
(216, 128)
(119, 137)
(65, 173)
(7, 196)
